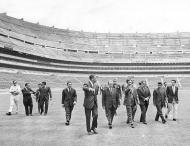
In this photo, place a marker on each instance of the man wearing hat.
(159, 100)
(15, 91)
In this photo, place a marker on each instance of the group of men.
(163, 96)
(42, 94)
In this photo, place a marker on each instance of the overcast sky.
(120, 16)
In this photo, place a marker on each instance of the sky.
(114, 16)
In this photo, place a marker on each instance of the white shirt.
(15, 89)
(173, 88)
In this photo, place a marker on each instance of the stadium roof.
(113, 16)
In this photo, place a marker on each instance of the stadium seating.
(30, 46)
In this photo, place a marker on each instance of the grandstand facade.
(33, 47)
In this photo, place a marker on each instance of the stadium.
(30, 52)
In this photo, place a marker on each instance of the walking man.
(45, 95)
(69, 100)
(90, 104)
(130, 101)
(15, 91)
(110, 102)
(159, 100)
(144, 96)
(38, 97)
(27, 99)
(172, 95)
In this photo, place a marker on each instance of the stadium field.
(50, 130)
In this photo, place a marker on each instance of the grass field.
(19, 130)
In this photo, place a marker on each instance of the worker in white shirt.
(15, 91)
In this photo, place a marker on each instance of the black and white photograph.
(94, 72)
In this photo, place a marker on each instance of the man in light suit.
(159, 100)
(110, 102)
(90, 104)
(130, 101)
(172, 95)
(15, 91)
(144, 96)
(69, 100)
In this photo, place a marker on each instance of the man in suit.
(118, 87)
(130, 101)
(90, 104)
(69, 99)
(110, 102)
(15, 91)
(38, 97)
(172, 95)
(159, 100)
(27, 99)
(45, 95)
(144, 96)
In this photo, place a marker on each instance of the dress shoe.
(110, 126)
(156, 119)
(8, 114)
(145, 123)
(67, 123)
(94, 130)
(132, 126)
(174, 119)
(164, 121)
(127, 121)
(166, 116)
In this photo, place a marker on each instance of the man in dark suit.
(38, 97)
(27, 99)
(130, 101)
(90, 104)
(159, 100)
(110, 102)
(118, 87)
(69, 99)
(144, 96)
(172, 95)
(45, 94)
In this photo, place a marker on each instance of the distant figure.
(110, 102)
(172, 95)
(15, 91)
(45, 95)
(144, 96)
(27, 99)
(91, 104)
(165, 84)
(69, 100)
(38, 97)
(118, 88)
(130, 101)
(159, 100)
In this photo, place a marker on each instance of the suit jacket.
(142, 94)
(110, 98)
(130, 96)
(90, 97)
(159, 96)
(27, 94)
(69, 97)
(45, 93)
(170, 95)
(118, 87)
